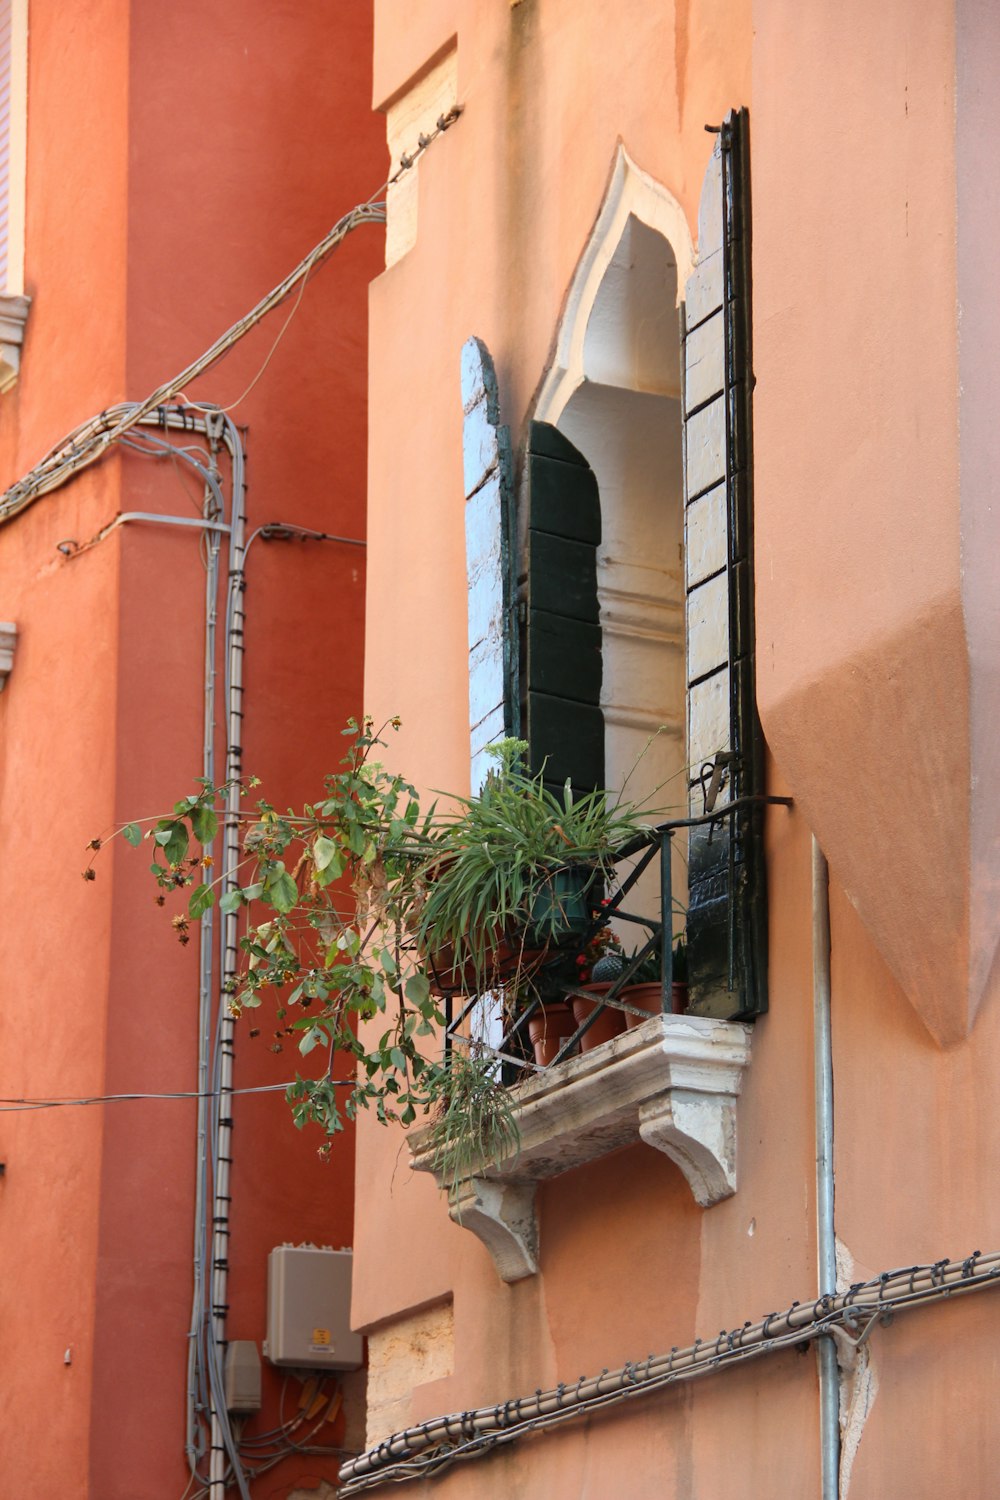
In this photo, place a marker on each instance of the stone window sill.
(13, 317)
(673, 1082)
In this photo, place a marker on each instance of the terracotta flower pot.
(611, 1022)
(649, 999)
(548, 1028)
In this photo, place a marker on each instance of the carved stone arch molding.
(612, 388)
(632, 193)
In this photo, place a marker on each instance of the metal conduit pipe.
(826, 1240)
(214, 1144)
(222, 1442)
(212, 513)
(433, 1445)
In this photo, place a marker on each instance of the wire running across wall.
(427, 1449)
(21, 1103)
(89, 442)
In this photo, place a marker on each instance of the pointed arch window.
(630, 552)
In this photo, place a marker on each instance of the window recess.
(620, 584)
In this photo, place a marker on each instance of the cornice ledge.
(673, 1082)
(13, 317)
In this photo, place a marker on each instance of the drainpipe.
(826, 1244)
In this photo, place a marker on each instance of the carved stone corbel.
(502, 1215)
(673, 1082)
(8, 640)
(698, 1132)
(13, 316)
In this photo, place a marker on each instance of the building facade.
(179, 162)
(586, 223)
(681, 466)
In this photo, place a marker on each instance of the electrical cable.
(15, 1104)
(433, 1445)
(231, 406)
(89, 442)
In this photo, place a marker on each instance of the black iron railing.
(499, 1021)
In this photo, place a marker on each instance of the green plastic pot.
(561, 907)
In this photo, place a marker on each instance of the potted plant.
(340, 904)
(517, 869)
(598, 966)
(643, 990)
(549, 1026)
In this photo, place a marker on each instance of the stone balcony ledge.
(673, 1082)
(13, 317)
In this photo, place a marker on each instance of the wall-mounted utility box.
(242, 1376)
(309, 1309)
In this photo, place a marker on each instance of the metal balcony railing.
(498, 1022)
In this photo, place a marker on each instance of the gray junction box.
(309, 1309)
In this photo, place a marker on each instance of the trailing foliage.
(330, 896)
(346, 904)
(474, 1121)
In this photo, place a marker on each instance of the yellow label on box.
(321, 1336)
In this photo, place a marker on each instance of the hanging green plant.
(350, 906)
(331, 897)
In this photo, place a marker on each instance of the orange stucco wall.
(180, 162)
(867, 665)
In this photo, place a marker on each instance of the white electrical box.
(309, 1309)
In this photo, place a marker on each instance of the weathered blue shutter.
(564, 723)
(489, 549)
(727, 912)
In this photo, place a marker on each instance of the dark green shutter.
(727, 905)
(564, 724)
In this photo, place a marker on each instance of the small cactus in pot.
(607, 968)
(589, 998)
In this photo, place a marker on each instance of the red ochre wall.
(181, 159)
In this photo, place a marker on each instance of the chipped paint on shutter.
(727, 916)
(493, 696)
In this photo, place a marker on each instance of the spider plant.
(474, 1121)
(517, 863)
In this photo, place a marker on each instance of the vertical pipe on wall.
(212, 512)
(222, 1442)
(826, 1244)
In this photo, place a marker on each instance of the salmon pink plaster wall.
(870, 639)
(508, 198)
(495, 254)
(872, 645)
